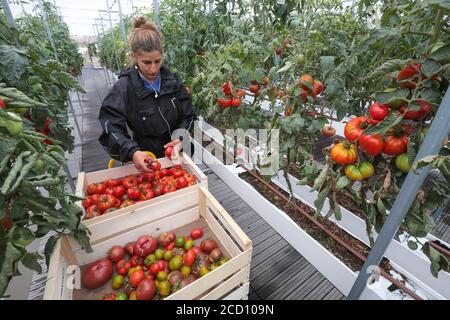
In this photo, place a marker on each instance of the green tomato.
(179, 242)
(402, 162)
(39, 166)
(300, 59)
(122, 296)
(159, 253)
(175, 263)
(168, 254)
(117, 282)
(189, 244)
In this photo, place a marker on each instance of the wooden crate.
(84, 179)
(197, 208)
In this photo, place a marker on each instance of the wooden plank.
(261, 252)
(284, 258)
(230, 225)
(285, 279)
(273, 280)
(240, 278)
(306, 287)
(299, 279)
(319, 292)
(239, 294)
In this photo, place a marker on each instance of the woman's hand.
(176, 145)
(140, 159)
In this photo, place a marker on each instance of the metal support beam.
(122, 25)
(156, 11)
(112, 33)
(69, 178)
(80, 133)
(439, 129)
(8, 13)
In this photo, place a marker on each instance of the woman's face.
(149, 63)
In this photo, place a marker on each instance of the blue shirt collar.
(156, 86)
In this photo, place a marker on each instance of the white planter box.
(412, 264)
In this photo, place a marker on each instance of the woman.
(150, 99)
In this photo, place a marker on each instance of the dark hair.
(145, 37)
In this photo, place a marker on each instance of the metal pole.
(122, 25)
(8, 13)
(75, 119)
(112, 33)
(49, 32)
(69, 177)
(156, 11)
(439, 129)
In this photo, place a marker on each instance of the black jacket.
(152, 119)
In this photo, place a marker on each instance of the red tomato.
(170, 246)
(158, 190)
(134, 193)
(394, 146)
(154, 269)
(278, 51)
(86, 203)
(139, 178)
(425, 108)
(146, 194)
(168, 152)
(163, 264)
(168, 188)
(136, 261)
(154, 165)
(236, 102)
(2, 104)
(93, 199)
(196, 233)
(96, 188)
(228, 103)
(106, 201)
(408, 72)
(92, 212)
(189, 257)
(137, 277)
(178, 173)
(318, 88)
(182, 183)
(148, 176)
(122, 267)
(112, 183)
(109, 190)
(190, 178)
(371, 144)
(129, 181)
(164, 173)
(227, 88)
(240, 93)
(378, 111)
(119, 191)
(353, 130)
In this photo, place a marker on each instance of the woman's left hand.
(176, 145)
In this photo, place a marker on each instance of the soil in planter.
(335, 248)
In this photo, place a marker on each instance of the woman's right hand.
(140, 159)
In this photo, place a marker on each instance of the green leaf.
(22, 236)
(13, 63)
(49, 247)
(319, 202)
(289, 65)
(392, 97)
(424, 162)
(430, 67)
(412, 245)
(327, 63)
(391, 121)
(8, 259)
(337, 213)
(384, 69)
(343, 182)
(320, 180)
(380, 207)
(31, 262)
(442, 54)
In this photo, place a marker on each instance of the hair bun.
(140, 22)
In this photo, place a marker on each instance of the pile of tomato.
(153, 268)
(232, 97)
(392, 143)
(113, 194)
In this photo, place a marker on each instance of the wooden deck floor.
(278, 271)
